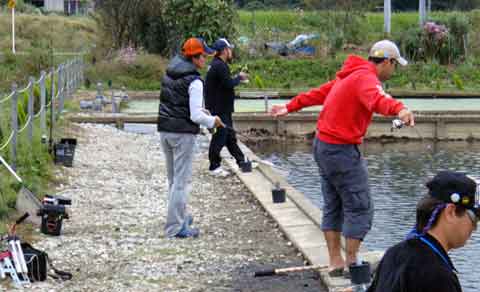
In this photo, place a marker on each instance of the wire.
(8, 142)
(26, 125)
(7, 98)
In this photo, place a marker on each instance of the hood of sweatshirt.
(354, 63)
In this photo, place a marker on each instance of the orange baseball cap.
(195, 46)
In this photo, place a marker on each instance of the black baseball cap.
(456, 188)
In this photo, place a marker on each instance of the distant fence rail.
(63, 81)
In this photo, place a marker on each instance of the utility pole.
(422, 10)
(387, 18)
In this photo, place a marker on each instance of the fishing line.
(398, 124)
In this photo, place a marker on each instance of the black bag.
(37, 264)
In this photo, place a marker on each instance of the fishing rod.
(274, 272)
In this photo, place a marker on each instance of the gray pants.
(179, 152)
(347, 206)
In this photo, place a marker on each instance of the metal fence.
(64, 80)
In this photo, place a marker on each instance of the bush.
(445, 43)
(142, 73)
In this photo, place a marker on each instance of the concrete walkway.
(298, 218)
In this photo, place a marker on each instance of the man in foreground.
(446, 218)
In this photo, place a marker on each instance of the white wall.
(54, 5)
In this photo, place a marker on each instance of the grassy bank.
(42, 39)
(41, 42)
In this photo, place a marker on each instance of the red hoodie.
(348, 102)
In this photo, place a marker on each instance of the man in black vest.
(446, 219)
(179, 116)
(219, 100)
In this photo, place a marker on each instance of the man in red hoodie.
(349, 102)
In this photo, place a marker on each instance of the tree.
(161, 25)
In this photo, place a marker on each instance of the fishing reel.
(397, 124)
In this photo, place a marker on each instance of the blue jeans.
(347, 206)
(179, 152)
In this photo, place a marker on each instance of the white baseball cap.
(387, 49)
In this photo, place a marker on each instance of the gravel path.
(114, 240)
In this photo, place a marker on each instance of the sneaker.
(188, 232)
(219, 172)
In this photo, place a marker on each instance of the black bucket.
(360, 274)
(64, 151)
(246, 166)
(278, 195)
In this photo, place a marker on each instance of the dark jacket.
(413, 266)
(219, 88)
(174, 109)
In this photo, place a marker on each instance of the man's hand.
(279, 110)
(218, 123)
(407, 117)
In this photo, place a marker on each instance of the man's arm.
(313, 97)
(224, 77)
(197, 115)
(375, 99)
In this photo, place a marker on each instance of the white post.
(387, 11)
(422, 10)
(13, 30)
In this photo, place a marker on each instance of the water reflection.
(398, 173)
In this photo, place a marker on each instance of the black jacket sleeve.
(224, 76)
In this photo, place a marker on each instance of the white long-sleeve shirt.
(197, 113)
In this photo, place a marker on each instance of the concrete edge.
(315, 254)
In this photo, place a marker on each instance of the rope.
(40, 80)
(8, 142)
(39, 112)
(26, 88)
(26, 125)
(7, 98)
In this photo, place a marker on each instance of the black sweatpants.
(224, 137)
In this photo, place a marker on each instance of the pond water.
(244, 105)
(398, 172)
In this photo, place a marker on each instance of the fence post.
(52, 109)
(31, 98)
(265, 97)
(60, 90)
(14, 121)
(66, 75)
(82, 76)
(43, 94)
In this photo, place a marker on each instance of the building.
(69, 7)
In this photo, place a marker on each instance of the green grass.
(41, 38)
